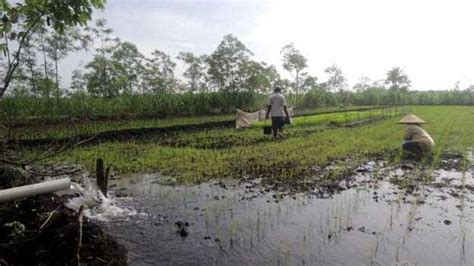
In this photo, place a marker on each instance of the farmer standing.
(277, 108)
(416, 139)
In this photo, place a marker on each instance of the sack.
(267, 130)
(287, 120)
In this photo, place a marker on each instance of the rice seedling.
(221, 153)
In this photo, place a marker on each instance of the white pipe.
(35, 189)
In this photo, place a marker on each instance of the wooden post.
(101, 176)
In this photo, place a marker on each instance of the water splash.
(96, 205)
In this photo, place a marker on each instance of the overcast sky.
(432, 41)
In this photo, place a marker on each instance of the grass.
(71, 128)
(93, 127)
(195, 157)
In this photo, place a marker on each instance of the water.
(375, 223)
(96, 205)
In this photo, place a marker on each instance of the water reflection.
(375, 223)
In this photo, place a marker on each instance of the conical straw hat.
(411, 119)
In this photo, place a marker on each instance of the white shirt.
(277, 101)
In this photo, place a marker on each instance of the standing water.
(375, 222)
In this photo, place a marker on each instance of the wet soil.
(40, 230)
(377, 214)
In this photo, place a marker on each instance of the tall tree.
(20, 20)
(106, 43)
(78, 83)
(398, 83)
(293, 62)
(226, 64)
(397, 79)
(29, 71)
(194, 71)
(259, 77)
(159, 73)
(363, 84)
(101, 77)
(128, 62)
(336, 80)
(308, 82)
(60, 45)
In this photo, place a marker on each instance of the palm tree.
(399, 83)
(397, 79)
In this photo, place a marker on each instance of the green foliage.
(397, 79)
(195, 71)
(159, 73)
(141, 106)
(336, 80)
(293, 60)
(197, 157)
(20, 21)
(226, 64)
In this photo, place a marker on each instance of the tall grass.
(141, 106)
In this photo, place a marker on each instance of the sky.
(432, 41)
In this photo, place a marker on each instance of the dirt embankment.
(42, 231)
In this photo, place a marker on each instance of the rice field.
(75, 126)
(311, 142)
(247, 173)
(221, 153)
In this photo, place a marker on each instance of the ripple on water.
(229, 223)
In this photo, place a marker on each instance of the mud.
(364, 218)
(42, 231)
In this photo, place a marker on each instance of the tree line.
(118, 67)
(36, 36)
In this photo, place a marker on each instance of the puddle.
(375, 222)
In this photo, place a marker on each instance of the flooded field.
(381, 216)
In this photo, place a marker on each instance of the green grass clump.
(194, 157)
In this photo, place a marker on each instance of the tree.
(258, 77)
(226, 64)
(101, 65)
(397, 79)
(308, 82)
(399, 84)
(127, 62)
(78, 83)
(159, 73)
(293, 61)
(456, 86)
(58, 46)
(336, 80)
(469, 91)
(20, 20)
(195, 71)
(100, 77)
(29, 71)
(363, 84)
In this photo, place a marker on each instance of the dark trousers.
(277, 124)
(411, 146)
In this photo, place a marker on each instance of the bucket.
(267, 130)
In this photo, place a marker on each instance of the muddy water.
(374, 223)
